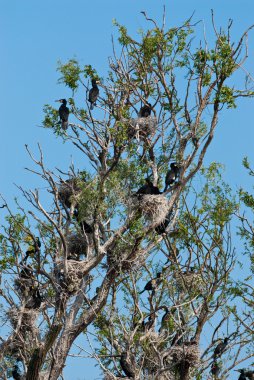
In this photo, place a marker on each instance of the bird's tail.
(165, 188)
(141, 291)
(64, 125)
(91, 106)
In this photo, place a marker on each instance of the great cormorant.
(166, 318)
(242, 374)
(220, 348)
(145, 111)
(63, 113)
(148, 188)
(83, 224)
(152, 284)
(245, 374)
(126, 366)
(35, 248)
(15, 373)
(93, 93)
(215, 369)
(172, 175)
(35, 300)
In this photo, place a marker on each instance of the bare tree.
(63, 263)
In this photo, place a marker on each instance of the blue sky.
(35, 35)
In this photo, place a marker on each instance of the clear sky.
(34, 35)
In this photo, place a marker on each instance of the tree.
(104, 220)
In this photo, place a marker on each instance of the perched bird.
(242, 374)
(35, 300)
(245, 374)
(172, 175)
(145, 111)
(166, 319)
(220, 348)
(152, 284)
(63, 113)
(146, 326)
(15, 373)
(126, 365)
(215, 369)
(148, 188)
(161, 228)
(34, 248)
(85, 227)
(93, 93)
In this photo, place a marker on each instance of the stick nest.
(142, 127)
(154, 208)
(188, 354)
(191, 280)
(72, 282)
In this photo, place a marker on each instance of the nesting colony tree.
(129, 247)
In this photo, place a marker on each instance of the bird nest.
(188, 354)
(142, 127)
(190, 280)
(75, 275)
(153, 207)
(26, 318)
(68, 192)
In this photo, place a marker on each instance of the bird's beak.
(97, 82)
(58, 101)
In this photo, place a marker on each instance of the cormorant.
(36, 299)
(146, 326)
(166, 318)
(215, 369)
(15, 373)
(152, 284)
(35, 248)
(63, 113)
(172, 175)
(242, 374)
(126, 366)
(148, 188)
(220, 348)
(83, 224)
(245, 374)
(93, 93)
(145, 111)
(161, 228)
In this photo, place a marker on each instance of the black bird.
(148, 188)
(35, 248)
(93, 93)
(152, 284)
(242, 374)
(145, 111)
(220, 348)
(161, 228)
(15, 373)
(166, 318)
(215, 369)
(126, 365)
(63, 113)
(35, 300)
(172, 175)
(83, 224)
(245, 374)
(146, 326)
